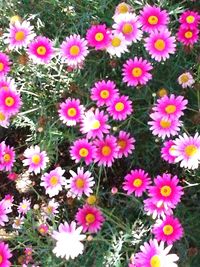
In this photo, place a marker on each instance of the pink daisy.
(168, 230)
(125, 144)
(155, 210)
(41, 50)
(19, 35)
(3, 213)
(53, 181)
(137, 182)
(36, 160)
(120, 107)
(98, 36)
(153, 18)
(74, 50)
(7, 83)
(160, 44)
(129, 26)
(4, 64)
(43, 229)
(90, 218)
(188, 36)
(82, 149)
(7, 158)
(164, 127)
(186, 80)
(106, 151)
(166, 191)
(170, 106)
(167, 151)
(118, 44)
(103, 92)
(81, 182)
(24, 206)
(187, 151)
(136, 71)
(5, 255)
(94, 124)
(10, 102)
(189, 18)
(4, 119)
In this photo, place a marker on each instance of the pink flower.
(167, 151)
(166, 191)
(189, 18)
(106, 150)
(7, 83)
(168, 230)
(10, 102)
(118, 44)
(98, 36)
(188, 36)
(41, 50)
(4, 120)
(153, 18)
(4, 64)
(160, 44)
(43, 229)
(24, 206)
(7, 157)
(90, 218)
(120, 107)
(82, 149)
(186, 80)
(103, 92)
(136, 71)
(155, 209)
(125, 144)
(137, 182)
(3, 213)
(5, 255)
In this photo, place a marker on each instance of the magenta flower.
(189, 18)
(10, 102)
(125, 144)
(7, 157)
(167, 151)
(98, 36)
(4, 210)
(24, 206)
(5, 255)
(4, 64)
(188, 36)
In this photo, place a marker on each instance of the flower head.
(4, 64)
(125, 143)
(3, 213)
(155, 210)
(98, 36)
(186, 80)
(10, 102)
(5, 255)
(189, 18)
(167, 151)
(122, 8)
(24, 206)
(7, 157)
(187, 35)
(117, 45)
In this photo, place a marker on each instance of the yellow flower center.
(71, 112)
(160, 45)
(165, 124)
(1, 66)
(184, 78)
(188, 34)
(91, 199)
(122, 8)
(127, 28)
(168, 229)
(9, 101)
(2, 116)
(23, 206)
(74, 50)
(96, 125)
(153, 20)
(171, 150)
(36, 159)
(165, 191)
(41, 50)
(106, 150)
(116, 42)
(99, 37)
(162, 92)
(15, 18)
(191, 150)
(119, 106)
(90, 218)
(1, 259)
(121, 143)
(155, 261)
(19, 36)
(104, 94)
(53, 180)
(190, 19)
(170, 109)
(6, 157)
(83, 152)
(136, 72)
(80, 183)
(137, 182)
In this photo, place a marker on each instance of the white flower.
(186, 80)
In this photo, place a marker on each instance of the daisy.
(153, 18)
(136, 71)
(122, 8)
(162, 92)
(166, 191)
(19, 35)
(153, 254)
(7, 83)
(43, 229)
(41, 50)
(4, 64)
(106, 150)
(3, 213)
(188, 36)
(98, 36)
(5, 255)
(187, 151)
(125, 144)
(18, 222)
(74, 50)
(8, 201)
(24, 206)
(117, 45)
(4, 120)
(155, 210)
(168, 230)
(36, 160)
(186, 80)
(103, 92)
(7, 158)
(120, 107)
(50, 209)
(137, 182)
(68, 241)
(164, 127)
(129, 26)
(53, 181)
(71, 111)
(90, 218)
(10, 102)
(160, 45)
(167, 151)
(189, 18)
(82, 149)
(95, 124)
(81, 182)
(171, 106)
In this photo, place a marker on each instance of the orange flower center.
(160, 45)
(6, 157)
(104, 94)
(190, 19)
(170, 109)
(165, 124)
(137, 182)
(90, 218)
(80, 183)
(119, 106)
(2, 116)
(116, 42)
(1, 259)
(91, 199)
(122, 8)
(168, 229)
(36, 159)
(41, 50)
(162, 92)
(155, 261)
(188, 34)
(121, 143)
(71, 112)
(99, 37)
(83, 152)
(191, 150)
(127, 28)
(74, 50)
(1, 66)
(153, 20)
(136, 72)
(184, 78)
(19, 36)
(106, 150)
(53, 180)
(165, 191)
(9, 101)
